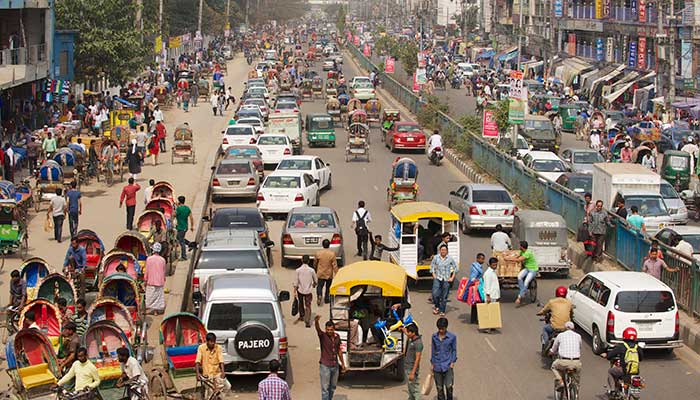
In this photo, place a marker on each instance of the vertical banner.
(632, 59)
(633, 6)
(158, 45)
(421, 76)
(606, 8)
(572, 44)
(686, 59)
(416, 86)
(642, 11)
(599, 49)
(558, 8)
(599, 9)
(489, 126)
(366, 50)
(518, 98)
(609, 51)
(356, 40)
(389, 65)
(642, 52)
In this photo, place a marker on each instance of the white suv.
(605, 303)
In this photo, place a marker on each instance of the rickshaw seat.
(92, 259)
(36, 375)
(182, 356)
(110, 372)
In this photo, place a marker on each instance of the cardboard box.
(489, 315)
(508, 268)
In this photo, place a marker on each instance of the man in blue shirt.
(443, 268)
(75, 207)
(74, 265)
(443, 358)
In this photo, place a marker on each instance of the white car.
(546, 164)
(607, 302)
(283, 190)
(274, 147)
(256, 122)
(466, 69)
(257, 90)
(363, 91)
(238, 135)
(309, 164)
(359, 79)
(264, 109)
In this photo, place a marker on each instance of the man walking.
(304, 281)
(161, 133)
(360, 222)
(155, 281)
(57, 210)
(443, 269)
(273, 387)
(326, 268)
(330, 358)
(75, 207)
(183, 216)
(443, 358)
(128, 196)
(598, 222)
(414, 352)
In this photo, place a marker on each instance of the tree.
(340, 18)
(108, 45)
(408, 56)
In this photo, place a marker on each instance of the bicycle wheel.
(532, 291)
(571, 387)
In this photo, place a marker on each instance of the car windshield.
(678, 162)
(408, 128)
(587, 157)
(647, 301)
(250, 121)
(272, 140)
(363, 85)
(668, 192)
(256, 102)
(229, 316)
(286, 106)
(294, 165)
(282, 182)
(230, 259)
(239, 130)
(535, 124)
(310, 221)
(522, 144)
(580, 184)
(491, 196)
(258, 90)
(242, 152)
(548, 166)
(233, 169)
(324, 123)
(649, 206)
(226, 220)
(694, 241)
(571, 112)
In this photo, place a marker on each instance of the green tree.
(340, 18)
(408, 56)
(108, 45)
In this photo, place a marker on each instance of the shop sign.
(632, 59)
(686, 59)
(599, 49)
(642, 11)
(558, 8)
(599, 9)
(642, 51)
(389, 65)
(572, 44)
(489, 125)
(610, 53)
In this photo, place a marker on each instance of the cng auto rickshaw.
(360, 291)
(415, 229)
(320, 129)
(568, 113)
(546, 235)
(676, 169)
(388, 119)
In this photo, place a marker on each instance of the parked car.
(576, 182)
(238, 135)
(482, 206)
(235, 178)
(274, 147)
(245, 314)
(283, 190)
(309, 164)
(691, 234)
(608, 302)
(581, 160)
(305, 230)
(406, 135)
(546, 164)
(674, 203)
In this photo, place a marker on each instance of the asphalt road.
(490, 366)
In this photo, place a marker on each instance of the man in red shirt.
(129, 194)
(160, 131)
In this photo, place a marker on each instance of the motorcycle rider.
(561, 311)
(619, 353)
(434, 141)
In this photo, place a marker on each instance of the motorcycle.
(436, 156)
(249, 59)
(456, 82)
(630, 386)
(546, 345)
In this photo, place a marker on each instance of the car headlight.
(672, 210)
(682, 210)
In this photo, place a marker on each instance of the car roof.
(235, 161)
(241, 126)
(311, 210)
(629, 279)
(286, 172)
(231, 239)
(300, 157)
(237, 211)
(577, 150)
(241, 286)
(486, 186)
(637, 192)
(543, 155)
(685, 229)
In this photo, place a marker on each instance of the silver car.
(235, 178)
(674, 203)
(482, 206)
(306, 229)
(581, 160)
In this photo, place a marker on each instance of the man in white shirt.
(567, 348)
(491, 288)
(692, 149)
(131, 369)
(158, 114)
(500, 241)
(435, 140)
(148, 192)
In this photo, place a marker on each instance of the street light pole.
(199, 22)
(671, 53)
(520, 34)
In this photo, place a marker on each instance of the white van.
(608, 302)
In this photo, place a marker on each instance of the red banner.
(490, 127)
(642, 11)
(389, 65)
(356, 40)
(572, 44)
(366, 51)
(416, 86)
(642, 53)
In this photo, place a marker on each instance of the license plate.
(495, 212)
(645, 327)
(234, 183)
(311, 240)
(279, 197)
(410, 139)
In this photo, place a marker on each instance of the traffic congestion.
(306, 215)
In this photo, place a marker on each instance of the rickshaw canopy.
(391, 278)
(417, 210)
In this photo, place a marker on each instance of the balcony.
(22, 65)
(617, 14)
(33, 54)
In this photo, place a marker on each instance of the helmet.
(561, 291)
(156, 247)
(629, 334)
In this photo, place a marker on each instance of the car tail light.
(437, 149)
(373, 91)
(287, 152)
(515, 209)
(610, 324)
(225, 140)
(299, 197)
(676, 328)
(252, 140)
(335, 239)
(215, 182)
(260, 197)
(251, 181)
(473, 210)
(287, 239)
(283, 346)
(295, 110)
(195, 284)
(636, 381)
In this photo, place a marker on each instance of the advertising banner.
(389, 65)
(686, 59)
(356, 40)
(572, 44)
(489, 125)
(606, 8)
(416, 86)
(599, 9)
(599, 49)
(642, 11)
(366, 50)
(421, 76)
(558, 8)
(518, 98)
(642, 52)
(632, 59)
(158, 45)
(609, 50)
(175, 42)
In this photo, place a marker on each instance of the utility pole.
(199, 23)
(671, 52)
(520, 39)
(247, 3)
(386, 16)
(660, 36)
(160, 18)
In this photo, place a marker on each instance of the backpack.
(361, 225)
(631, 360)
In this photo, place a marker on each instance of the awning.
(617, 93)
(589, 76)
(686, 104)
(125, 102)
(615, 72)
(508, 54)
(533, 64)
(573, 67)
(486, 55)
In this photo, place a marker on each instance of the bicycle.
(214, 388)
(133, 389)
(10, 322)
(570, 389)
(85, 394)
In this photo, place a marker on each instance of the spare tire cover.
(254, 341)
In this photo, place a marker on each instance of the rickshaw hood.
(391, 278)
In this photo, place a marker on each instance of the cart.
(508, 274)
(94, 251)
(183, 144)
(317, 87)
(333, 108)
(403, 182)
(110, 167)
(306, 90)
(32, 365)
(331, 87)
(358, 142)
(373, 107)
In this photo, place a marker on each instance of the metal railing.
(624, 244)
(33, 54)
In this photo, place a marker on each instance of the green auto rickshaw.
(320, 129)
(568, 113)
(676, 169)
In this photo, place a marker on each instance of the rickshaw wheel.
(172, 157)
(193, 158)
(24, 247)
(157, 387)
(532, 291)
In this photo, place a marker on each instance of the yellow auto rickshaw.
(358, 291)
(416, 229)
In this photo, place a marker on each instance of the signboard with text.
(558, 8)
(421, 76)
(389, 65)
(642, 50)
(489, 125)
(632, 59)
(175, 42)
(642, 11)
(518, 98)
